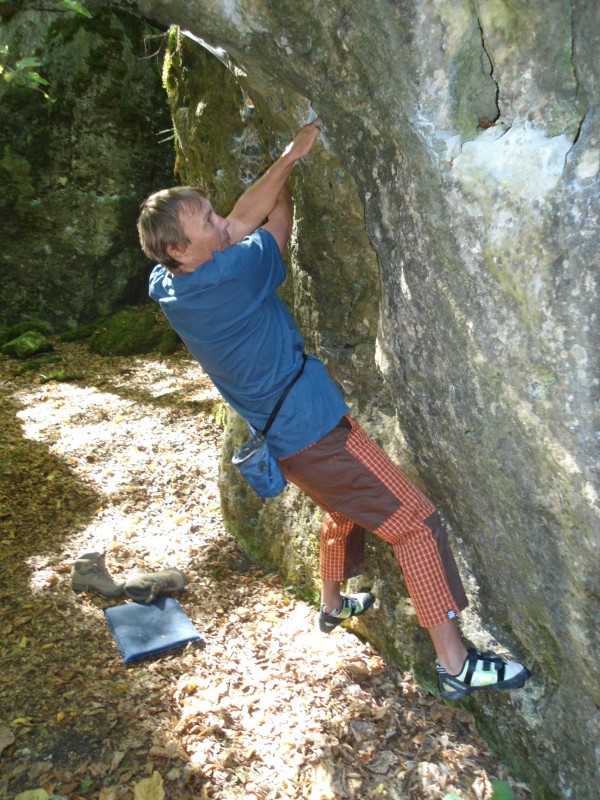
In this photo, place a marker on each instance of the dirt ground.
(121, 455)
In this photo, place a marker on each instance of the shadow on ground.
(124, 458)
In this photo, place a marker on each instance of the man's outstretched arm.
(279, 221)
(262, 199)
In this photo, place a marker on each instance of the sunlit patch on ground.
(125, 459)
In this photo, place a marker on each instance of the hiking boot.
(481, 672)
(143, 586)
(90, 573)
(353, 605)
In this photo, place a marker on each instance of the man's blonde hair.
(159, 224)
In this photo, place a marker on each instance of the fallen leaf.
(116, 760)
(7, 737)
(149, 788)
(33, 794)
(110, 793)
(38, 769)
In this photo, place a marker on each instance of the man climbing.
(216, 283)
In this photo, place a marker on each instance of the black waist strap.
(284, 394)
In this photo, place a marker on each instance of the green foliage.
(71, 5)
(307, 594)
(24, 72)
(133, 332)
(168, 135)
(60, 376)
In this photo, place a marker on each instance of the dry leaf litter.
(121, 455)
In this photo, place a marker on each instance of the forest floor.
(121, 455)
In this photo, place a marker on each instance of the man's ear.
(176, 251)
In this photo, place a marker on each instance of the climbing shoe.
(481, 672)
(353, 605)
(90, 574)
(143, 586)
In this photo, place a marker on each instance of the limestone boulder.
(445, 266)
(73, 165)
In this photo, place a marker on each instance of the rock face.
(467, 136)
(72, 167)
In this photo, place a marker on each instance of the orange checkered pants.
(360, 488)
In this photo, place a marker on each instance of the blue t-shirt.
(235, 325)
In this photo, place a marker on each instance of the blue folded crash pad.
(145, 630)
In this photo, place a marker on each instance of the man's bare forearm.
(259, 200)
(279, 220)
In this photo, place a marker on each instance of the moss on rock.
(28, 324)
(133, 332)
(28, 344)
(82, 332)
